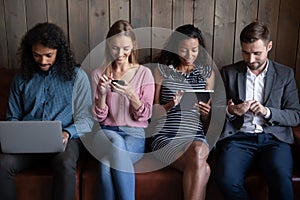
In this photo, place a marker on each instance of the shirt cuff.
(230, 116)
(268, 115)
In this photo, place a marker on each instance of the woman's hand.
(204, 109)
(104, 85)
(125, 89)
(177, 97)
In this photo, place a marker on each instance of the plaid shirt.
(48, 97)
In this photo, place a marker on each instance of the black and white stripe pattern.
(178, 128)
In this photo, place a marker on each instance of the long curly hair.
(169, 54)
(51, 36)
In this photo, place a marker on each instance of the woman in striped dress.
(179, 138)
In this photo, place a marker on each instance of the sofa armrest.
(296, 131)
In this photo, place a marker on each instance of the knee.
(196, 159)
(281, 174)
(229, 181)
(64, 164)
(103, 168)
(197, 155)
(6, 165)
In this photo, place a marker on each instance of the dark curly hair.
(169, 55)
(51, 36)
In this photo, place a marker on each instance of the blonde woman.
(124, 92)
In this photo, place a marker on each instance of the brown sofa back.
(6, 77)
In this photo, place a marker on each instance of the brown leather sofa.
(163, 184)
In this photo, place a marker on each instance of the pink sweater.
(118, 111)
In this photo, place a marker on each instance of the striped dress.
(178, 127)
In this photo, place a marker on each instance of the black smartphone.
(237, 101)
(120, 82)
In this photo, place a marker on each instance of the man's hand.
(252, 105)
(238, 109)
(257, 108)
(65, 136)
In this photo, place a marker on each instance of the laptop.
(190, 97)
(31, 137)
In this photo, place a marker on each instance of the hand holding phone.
(120, 82)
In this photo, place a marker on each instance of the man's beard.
(255, 67)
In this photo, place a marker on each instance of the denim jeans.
(243, 151)
(116, 170)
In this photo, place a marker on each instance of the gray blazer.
(280, 96)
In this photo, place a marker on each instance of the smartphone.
(120, 82)
(237, 101)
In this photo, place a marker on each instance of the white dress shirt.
(255, 91)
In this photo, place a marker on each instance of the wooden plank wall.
(86, 23)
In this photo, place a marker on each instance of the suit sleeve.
(288, 113)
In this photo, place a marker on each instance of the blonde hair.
(120, 27)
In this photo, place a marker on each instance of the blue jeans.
(242, 151)
(116, 170)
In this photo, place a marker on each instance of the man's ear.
(269, 46)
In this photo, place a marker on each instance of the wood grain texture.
(204, 19)
(119, 9)
(78, 28)
(246, 13)
(3, 44)
(141, 21)
(16, 27)
(224, 35)
(57, 12)
(36, 12)
(288, 30)
(86, 23)
(268, 12)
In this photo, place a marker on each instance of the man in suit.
(262, 106)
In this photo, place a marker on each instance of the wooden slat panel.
(224, 32)
(119, 9)
(182, 12)
(269, 13)
(188, 16)
(16, 28)
(78, 26)
(140, 13)
(161, 17)
(246, 13)
(58, 13)
(35, 12)
(219, 20)
(204, 19)
(178, 13)
(141, 18)
(98, 28)
(162, 13)
(98, 21)
(288, 26)
(3, 39)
